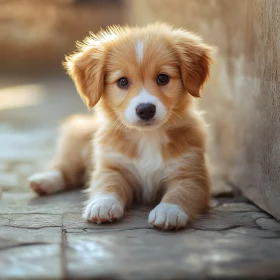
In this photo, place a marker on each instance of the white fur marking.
(47, 182)
(144, 97)
(139, 47)
(149, 162)
(103, 208)
(168, 216)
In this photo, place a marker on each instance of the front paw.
(47, 182)
(168, 216)
(103, 209)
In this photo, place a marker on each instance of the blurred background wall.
(36, 34)
(241, 100)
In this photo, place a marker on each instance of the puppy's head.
(142, 77)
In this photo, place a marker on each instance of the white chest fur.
(149, 165)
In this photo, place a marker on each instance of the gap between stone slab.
(25, 244)
(33, 227)
(218, 230)
(103, 230)
(63, 259)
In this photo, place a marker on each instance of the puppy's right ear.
(86, 68)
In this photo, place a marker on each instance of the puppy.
(146, 141)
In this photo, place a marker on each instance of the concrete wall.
(242, 98)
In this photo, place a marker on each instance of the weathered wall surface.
(242, 97)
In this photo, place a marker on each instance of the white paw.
(47, 182)
(103, 209)
(168, 216)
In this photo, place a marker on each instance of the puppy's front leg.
(110, 193)
(187, 195)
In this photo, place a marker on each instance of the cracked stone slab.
(153, 254)
(8, 243)
(34, 220)
(133, 218)
(254, 258)
(254, 232)
(28, 202)
(15, 235)
(238, 207)
(269, 224)
(32, 261)
(243, 269)
(4, 221)
(124, 254)
(222, 220)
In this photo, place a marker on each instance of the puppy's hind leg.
(68, 167)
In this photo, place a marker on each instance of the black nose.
(146, 111)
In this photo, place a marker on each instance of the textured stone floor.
(46, 237)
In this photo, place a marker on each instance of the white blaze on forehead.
(144, 97)
(139, 47)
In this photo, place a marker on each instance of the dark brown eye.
(122, 82)
(162, 79)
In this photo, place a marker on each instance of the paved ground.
(45, 237)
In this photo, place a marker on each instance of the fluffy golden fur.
(160, 160)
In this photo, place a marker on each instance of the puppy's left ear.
(195, 60)
(86, 68)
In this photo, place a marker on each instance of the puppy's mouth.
(149, 124)
(146, 122)
(145, 125)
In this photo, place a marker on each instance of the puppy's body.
(148, 139)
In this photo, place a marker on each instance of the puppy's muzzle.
(146, 111)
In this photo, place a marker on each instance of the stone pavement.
(46, 237)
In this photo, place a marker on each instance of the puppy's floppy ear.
(195, 60)
(86, 68)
